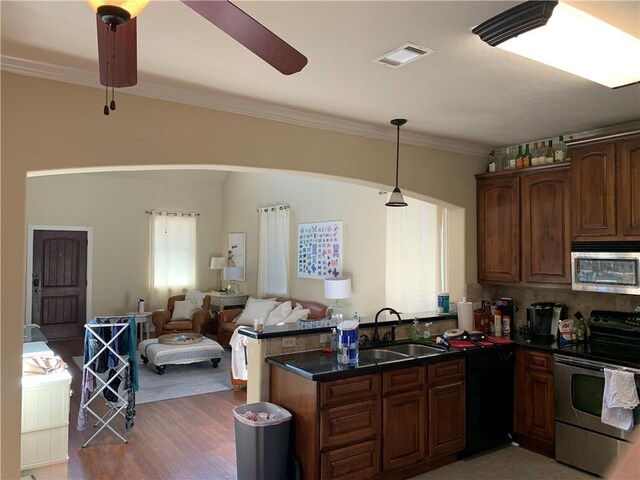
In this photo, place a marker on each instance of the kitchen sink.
(381, 355)
(415, 350)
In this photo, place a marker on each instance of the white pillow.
(297, 314)
(184, 310)
(279, 313)
(255, 308)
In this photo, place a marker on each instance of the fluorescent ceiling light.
(571, 40)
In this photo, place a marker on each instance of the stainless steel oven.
(582, 440)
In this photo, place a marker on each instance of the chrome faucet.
(376, 335)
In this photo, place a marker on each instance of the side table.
(143, 319)
(223, 300)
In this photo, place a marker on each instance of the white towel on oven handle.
(619, 399)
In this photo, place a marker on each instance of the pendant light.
(396, 199)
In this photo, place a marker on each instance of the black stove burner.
(615, 339)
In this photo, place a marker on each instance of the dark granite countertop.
(537, 342)
(318, 365)
(325, 325)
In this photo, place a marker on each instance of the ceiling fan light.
(132, 7)
(396, 199)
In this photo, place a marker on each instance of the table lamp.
(218, 263)
(337, 289)
(233, 273)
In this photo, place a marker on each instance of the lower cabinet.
(382, 425)
(404, 418)
(534, 401)
(446, 408)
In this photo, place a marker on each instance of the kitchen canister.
(443, 302)
(465, 315)
(348, 342)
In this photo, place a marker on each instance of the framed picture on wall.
(236, 253)
(320, 250)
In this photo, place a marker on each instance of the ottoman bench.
(162, 355)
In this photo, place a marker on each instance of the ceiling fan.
(117, 43)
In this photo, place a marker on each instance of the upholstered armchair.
(227, 325)
(163, 322)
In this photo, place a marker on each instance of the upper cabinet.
(628, 153)
(499, 228)
(524, 226)
(605, 193)
(546, 225)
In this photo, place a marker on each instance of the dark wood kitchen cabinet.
(404, 418)
(498, 200)
(389, 425)
(446, 408)
(534, 401)
(606, 189)
(546, 226)
(524, 226)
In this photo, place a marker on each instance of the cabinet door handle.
(449, 385)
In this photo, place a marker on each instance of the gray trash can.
(262, 441)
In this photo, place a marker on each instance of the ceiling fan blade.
(250, 33)
(125, 68)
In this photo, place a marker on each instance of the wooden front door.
(59, 283)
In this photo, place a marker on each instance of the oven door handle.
(584, 365)
(590, 365)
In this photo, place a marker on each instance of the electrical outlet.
(288, 342)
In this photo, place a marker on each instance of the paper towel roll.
(465, 316)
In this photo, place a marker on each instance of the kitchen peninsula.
(298, 337)
(411, 409)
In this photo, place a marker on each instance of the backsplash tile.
(584, 302)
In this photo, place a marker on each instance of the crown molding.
(228, 103)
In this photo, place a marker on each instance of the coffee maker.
(543, 318)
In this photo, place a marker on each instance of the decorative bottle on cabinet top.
(560, 152)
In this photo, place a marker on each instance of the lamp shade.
(218, 263)
(233, 273)
(337, 288)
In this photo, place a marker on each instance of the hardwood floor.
(182, 438)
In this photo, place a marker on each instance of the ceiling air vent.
(403, 55)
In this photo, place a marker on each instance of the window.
(415, 253)
(173, 254)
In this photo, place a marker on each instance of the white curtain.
(172, 263)
(273, 251)
(414, 260)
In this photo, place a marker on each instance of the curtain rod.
(175, 214)
(273, 208)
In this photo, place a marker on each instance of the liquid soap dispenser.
(415, 334)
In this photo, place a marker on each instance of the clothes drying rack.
(118, 407)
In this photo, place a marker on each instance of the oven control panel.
(613, 320)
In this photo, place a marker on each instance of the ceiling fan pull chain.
(106, 87)
(112, 105)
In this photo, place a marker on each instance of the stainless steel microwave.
(610, 267)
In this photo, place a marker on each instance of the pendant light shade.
(396, 199)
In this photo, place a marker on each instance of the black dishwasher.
(489, 397)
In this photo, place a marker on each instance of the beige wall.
(360, 208)
(49, 125)
(114, 206)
